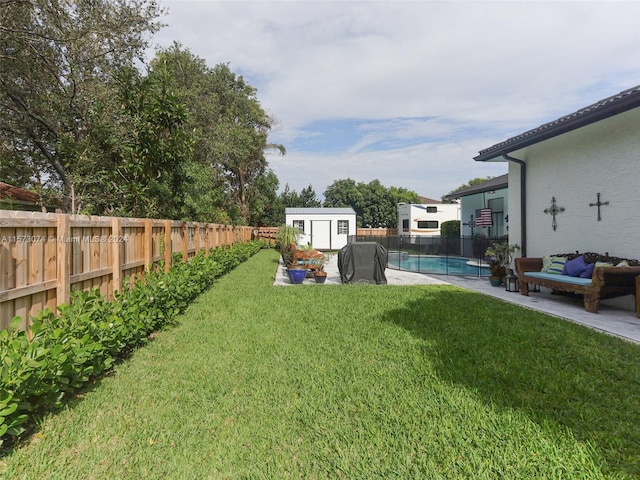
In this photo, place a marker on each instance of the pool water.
(435, 264)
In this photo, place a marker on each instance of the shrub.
(450, 228)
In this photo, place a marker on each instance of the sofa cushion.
(553, 265)
(588, 273)
(574, 267)
(558, 278)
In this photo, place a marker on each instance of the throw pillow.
(556, 265)
(546, 262)
(574, 267)
(623, 263)
(604, 264)
(588, 273)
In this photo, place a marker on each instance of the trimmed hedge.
(89, 334)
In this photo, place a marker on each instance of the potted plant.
(319, 261)
(499, 257)
(286, 240)
(296, 274)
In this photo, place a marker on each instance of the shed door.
(321, 234)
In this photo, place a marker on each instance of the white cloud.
(454, 76)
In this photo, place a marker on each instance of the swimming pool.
(436, 264)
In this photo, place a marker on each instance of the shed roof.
(495, 183)
(319, 211)
(608, 107)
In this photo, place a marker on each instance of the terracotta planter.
(320, 277)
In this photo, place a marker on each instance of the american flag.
(483, 217)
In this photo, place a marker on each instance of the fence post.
(168, 245)
(63, 289)
(197, 236)
(148, 245)
(206, 239)
(185, 242)
(116, 254)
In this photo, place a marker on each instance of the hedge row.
(89, 334)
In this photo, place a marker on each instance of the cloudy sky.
(408, 92)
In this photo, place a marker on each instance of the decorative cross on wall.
(598, 204)
(554, 210)
(472, 223)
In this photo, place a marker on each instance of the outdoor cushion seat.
(559, 278)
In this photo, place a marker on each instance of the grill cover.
(363, 262)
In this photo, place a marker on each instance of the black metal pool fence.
(435, 254)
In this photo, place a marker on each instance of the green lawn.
(354, 382)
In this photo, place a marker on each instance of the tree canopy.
(79, 116)
(374, 204)
(84, 118)
(55, 57)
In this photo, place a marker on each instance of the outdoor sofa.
(592, 275)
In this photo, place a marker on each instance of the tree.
(374, 204)
(265, 207)
(402, 195)
(230, 129)
(378, 207)
(194, 85)
(241, 133)
(289, 199)
(133, 163)
(343, 193)
(308, 198)
(55, 58)
(305, 199)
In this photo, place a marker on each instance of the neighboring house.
(484, 208)
(324, 228)
(425, 218)
(574, 182)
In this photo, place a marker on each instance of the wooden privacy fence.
(267, 234)
(376, 232)
(44, 256)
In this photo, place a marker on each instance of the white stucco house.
(425, 219)
(492, 195)
(324, 228)
(574, 183)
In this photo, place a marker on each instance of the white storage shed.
(324, 228)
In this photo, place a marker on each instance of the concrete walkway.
(611, 320)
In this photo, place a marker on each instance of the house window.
(497, 213)
(343, 227)
(432, 209)
(405, 225)
(299, 224)
(427, 224)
